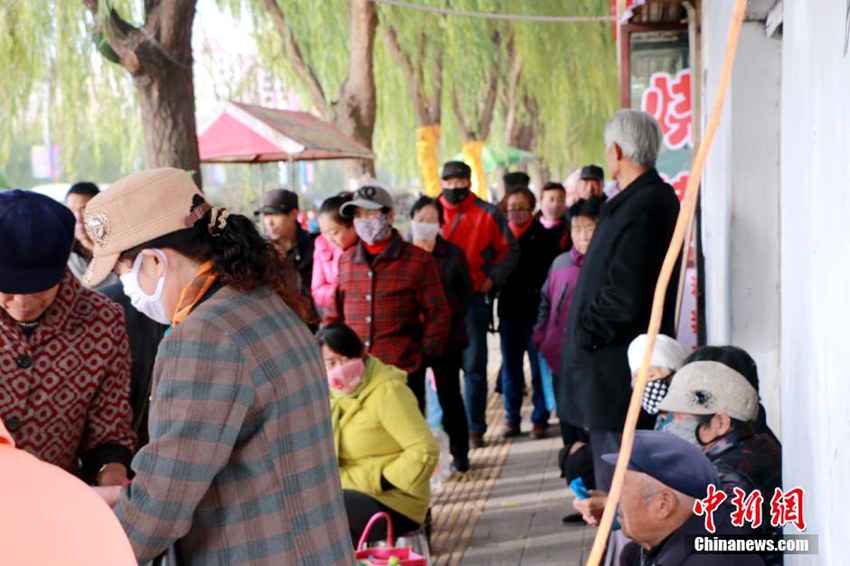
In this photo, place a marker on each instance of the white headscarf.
(668, 353)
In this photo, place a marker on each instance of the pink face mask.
(345, 378)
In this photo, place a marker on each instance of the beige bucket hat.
(706, 388)
(137, 209)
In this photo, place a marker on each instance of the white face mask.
(424, 231)
(149, 305)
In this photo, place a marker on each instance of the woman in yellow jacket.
(385, 450)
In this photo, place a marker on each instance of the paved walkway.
(521, 524)
(507, 510)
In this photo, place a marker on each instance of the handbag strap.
(375, 518)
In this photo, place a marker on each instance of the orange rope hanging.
(685, 216)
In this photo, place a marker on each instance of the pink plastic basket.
(381, 556)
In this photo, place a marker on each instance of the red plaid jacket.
(396, 303)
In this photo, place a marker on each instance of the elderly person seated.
(665, 476)
(668, 356)
(714, 408)
(739, 360)
(64, 353)
(385, 450)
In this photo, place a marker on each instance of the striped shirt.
(240, 469)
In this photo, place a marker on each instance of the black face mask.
(456, 196)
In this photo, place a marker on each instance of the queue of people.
(223, 429)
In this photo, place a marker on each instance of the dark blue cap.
(671, 460)
(36, 237)
(515, 181)
(458, 169)
(592, 173)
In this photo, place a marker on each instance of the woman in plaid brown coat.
(240, 468)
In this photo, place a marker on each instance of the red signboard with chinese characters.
(668, 99)
(786, 508)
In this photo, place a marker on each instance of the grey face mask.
(373, 230)
(686, 429)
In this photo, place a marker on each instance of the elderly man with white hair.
(613, 296)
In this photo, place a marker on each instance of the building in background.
(774, 234)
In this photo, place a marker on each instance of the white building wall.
(740, 202)
(816, 269)
(716, 192)
(755, 220)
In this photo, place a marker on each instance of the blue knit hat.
(672, 461)
(36, 237)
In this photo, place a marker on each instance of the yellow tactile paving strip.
(459, 502)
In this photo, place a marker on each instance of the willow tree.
(55, 44)
(542, 87)
(328, 49)
(416, 48)
(158, 55)
(564, 85)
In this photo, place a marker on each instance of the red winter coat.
(65, 390)
(482, 231)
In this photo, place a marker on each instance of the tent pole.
(292, 174)
(262, 196)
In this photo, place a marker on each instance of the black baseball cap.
(456, 169)
(37, 234)
(278, 201)
(673, 461)
(592, 173)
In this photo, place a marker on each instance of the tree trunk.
(159, 58)
(540, 174)
(167, 101)
(356, 109)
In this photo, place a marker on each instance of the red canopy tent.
(243, 133)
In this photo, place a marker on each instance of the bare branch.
(170, 23)
(420, 62)
(486, 119)
(363, 26)
(414, 83)
(120, 35)
(436, 103)
(457, 110)
(302, 69)
(511, 120)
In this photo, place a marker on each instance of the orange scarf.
(194, 292)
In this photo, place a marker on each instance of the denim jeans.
(475, 364)
(516, 342)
